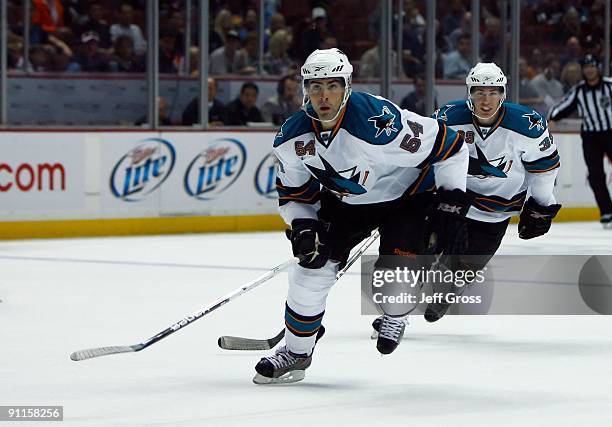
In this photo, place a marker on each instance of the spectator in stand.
(595, 22)
(125, 59)
(370, 64)
(162, 108)
(571, 75)
(89, 57)
(536, 62)
(452, 19)
(40, 58)
(546, 83)
(415, 100)
(442, 43)
(277, 61)
(527, 93)
(174, 22)
(249, 25)
(250, 54)
(570, 25)
(216, 109)
(548, 13)
(312, 38)
(47, 18)
(126, 27)
(413, 29)
(413, 15)
(95, 22)
(194, 61)
(14, 52)
(223, 24)
(242, 110)
(169, 58)
(278, 108)
(413, 42)
(465, 29)
(237, 25)
(228, 59)
(277, 22)
(572, 51)
(329, 42)
(592, 45)
(457, 63)
(490, 44)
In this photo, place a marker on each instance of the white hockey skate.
(283, 367)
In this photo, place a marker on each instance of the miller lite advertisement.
(181, 173)
(142, 169)
(215, 168)
(265, 177)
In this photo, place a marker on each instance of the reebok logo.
(445, 207)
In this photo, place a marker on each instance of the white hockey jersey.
(514, 157)
(376, 153)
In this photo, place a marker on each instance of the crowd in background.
(110, 36)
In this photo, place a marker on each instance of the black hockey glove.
(308, 241)
(447, 224)
(535, 219)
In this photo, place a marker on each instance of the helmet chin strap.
(501, 101)
(307, 101)
(305, 108)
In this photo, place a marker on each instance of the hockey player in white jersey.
(350, 162)
(512, 167)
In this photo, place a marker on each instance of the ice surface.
(65, 295)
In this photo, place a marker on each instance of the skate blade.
(607, 226)
(288, 378)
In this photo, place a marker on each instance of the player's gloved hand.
(535, 219)
(447, 224)
(308, 241)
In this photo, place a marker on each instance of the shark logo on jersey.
(441, 112)
(385, 122)
(333, 180)
(481, 167)
(535, 120)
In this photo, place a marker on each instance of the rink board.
(110, 182)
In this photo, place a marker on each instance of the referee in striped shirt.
(593, 99)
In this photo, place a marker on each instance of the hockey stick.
(104, 351)
(240, 343)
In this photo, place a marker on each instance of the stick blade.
(239, 343)
(90, 353)
(249, 344)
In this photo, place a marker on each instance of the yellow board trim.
(185, 224)
(138, 226)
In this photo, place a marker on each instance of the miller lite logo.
(214, 169)
(265, 177)
(142, 170)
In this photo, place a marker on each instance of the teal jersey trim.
(454, 113)
(296, 125)
(524, 120)
(375, 121)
